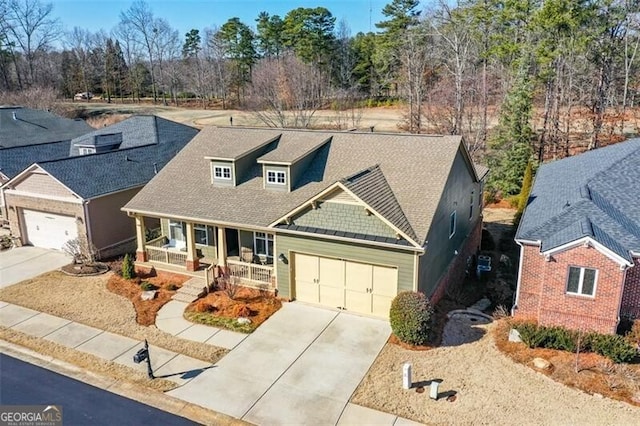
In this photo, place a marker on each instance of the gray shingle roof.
(32, 126)
(371, 187)
(293, 146)
(16, 159)
(415, 168)
(599, 188)
(240, 140)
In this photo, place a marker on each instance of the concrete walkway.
(166, 364)
(22, 263)
(170, 320)
(299, 367)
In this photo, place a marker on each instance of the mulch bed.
(165, 283)
(218, 309)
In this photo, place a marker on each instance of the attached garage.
(48, 230)
(357, 287)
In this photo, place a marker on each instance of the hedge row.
(612, 346)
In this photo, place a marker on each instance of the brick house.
(580, 241)
(338, 219)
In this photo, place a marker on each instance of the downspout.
(87, 223)
(515, 302)
(624, 281)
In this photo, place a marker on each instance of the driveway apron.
(301, 366)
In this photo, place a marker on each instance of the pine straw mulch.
(220, 310)
(87, 300)
(597, 374)
(165, 283)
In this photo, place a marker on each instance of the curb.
(128, 390)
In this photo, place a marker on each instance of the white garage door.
(358, 287)
(49, 230)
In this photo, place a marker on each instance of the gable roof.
(598, 199)
(14, 160)
(135, 131)
(24, 126)
(411, 173)
(154, 143)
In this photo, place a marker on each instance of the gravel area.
(489, 387)
(86, 300)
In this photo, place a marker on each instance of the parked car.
(82, 96)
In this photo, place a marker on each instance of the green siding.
(246, 163)
(344, 217)
(298, 168)
(440, 248)
(289, 244)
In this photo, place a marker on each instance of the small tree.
(523, 197)
(128, 268)
(410, 317)
(81, 250)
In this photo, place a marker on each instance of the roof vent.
(155, 168)
(566, 205)
(13, 114)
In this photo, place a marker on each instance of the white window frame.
(201, 227)
(85, 150)
(177, 223)
(219, 172)
(581, 282)
(452, 232)
(274, 177)
(266, 237)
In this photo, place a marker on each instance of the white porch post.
(192, 258)
(222, 247)
(141, 253)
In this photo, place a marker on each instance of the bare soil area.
(489, 387)
(88, 301)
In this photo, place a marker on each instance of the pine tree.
(128, 268)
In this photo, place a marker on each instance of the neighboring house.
(30, 135)
(80, 196)
(343, 220)
(580, 241)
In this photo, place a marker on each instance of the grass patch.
(217, 321)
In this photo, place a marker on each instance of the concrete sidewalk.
(166, 364)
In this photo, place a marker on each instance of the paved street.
(25, 384)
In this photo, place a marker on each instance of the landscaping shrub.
(147, 286)
(612, 346)
(410, 317)
(128, 268)
(172, 287)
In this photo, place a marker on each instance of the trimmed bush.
(128, 268)
(616, 348)
(147, 286)
(410, 317)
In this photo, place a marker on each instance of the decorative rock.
(541, 364)
(148, 295)
(243, 320)
(514, 336)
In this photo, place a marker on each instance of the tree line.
(522, 80)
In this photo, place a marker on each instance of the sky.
(187, 14)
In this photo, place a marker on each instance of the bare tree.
(286, 92)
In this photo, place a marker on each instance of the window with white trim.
(276, 177)
(177, 230)
(263, 244)
(582, 281)
(86, 150)
(201, 234)
(452, 224)
(222, 172)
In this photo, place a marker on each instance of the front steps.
(190, 290)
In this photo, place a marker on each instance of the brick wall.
(542, 290)
(631, 296)
(455, 272)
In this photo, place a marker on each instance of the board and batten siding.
(290, 244)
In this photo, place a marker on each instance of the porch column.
(192, 259)
(222, 247)
(141, 237)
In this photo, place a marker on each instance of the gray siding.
(223, 182)
(297, 169)
(276, 187)
(344, 217)
(246, 163)
(289, 244)
(440, 248)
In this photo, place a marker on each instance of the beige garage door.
(358, 287)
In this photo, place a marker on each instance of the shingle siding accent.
(344, 217)
(631, 297)
(40, 183)
(542, 290)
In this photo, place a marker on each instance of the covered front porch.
(210, 249)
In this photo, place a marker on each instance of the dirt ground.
(86, 300)
(489, 387)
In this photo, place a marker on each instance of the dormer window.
(222, 172)
(276, 177)
(86, 150)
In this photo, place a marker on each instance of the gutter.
(521, 243)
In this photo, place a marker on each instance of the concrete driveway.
(22, 263)
(300, 367)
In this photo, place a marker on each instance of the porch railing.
(252, 272)
(156, 242)
(164, 255)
